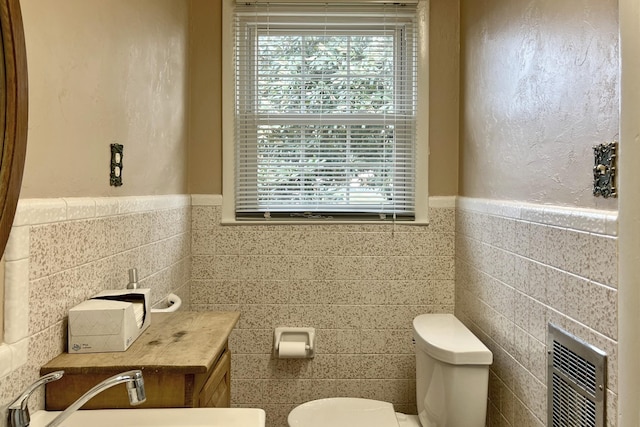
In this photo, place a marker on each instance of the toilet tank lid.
(445, 338)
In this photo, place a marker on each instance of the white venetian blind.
(325, 110)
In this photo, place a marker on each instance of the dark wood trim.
(16, 110)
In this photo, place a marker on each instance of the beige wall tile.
(204, 242)
(553, 280)
(249, 391)
(90, 250)
(390, 341)
(203, 217)
(604, 260)
(365, 389)
(577, 253)
(510, 277)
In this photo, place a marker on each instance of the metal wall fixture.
(116, 165)
(604, 170)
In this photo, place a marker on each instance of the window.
(326, 111)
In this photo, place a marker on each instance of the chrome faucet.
(18, 410)
(135, 388)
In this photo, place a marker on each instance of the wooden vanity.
(184, 358)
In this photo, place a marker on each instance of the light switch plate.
(604, 170)
(116, 165)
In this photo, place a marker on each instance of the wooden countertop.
(179, 342)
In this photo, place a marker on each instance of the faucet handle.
(135, 387)
(133, 279)
(18, 410)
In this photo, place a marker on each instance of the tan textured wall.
(360, 286)
(103, 72)
(205, 117)
(444, 97)
(205, 169)
(540, 87)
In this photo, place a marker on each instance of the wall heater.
(576, 381)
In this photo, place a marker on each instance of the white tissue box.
(109, 321)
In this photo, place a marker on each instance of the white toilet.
(452, 374)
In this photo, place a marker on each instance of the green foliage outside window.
(325, 76)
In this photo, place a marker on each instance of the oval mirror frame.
(14, 112)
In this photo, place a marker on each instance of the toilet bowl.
(452, 374)
(349, 411)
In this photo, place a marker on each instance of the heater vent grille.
(577, 369)
(577, 372)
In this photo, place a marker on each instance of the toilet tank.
(452, 372)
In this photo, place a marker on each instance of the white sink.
(170, 417)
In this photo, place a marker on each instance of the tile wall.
(359, 285)
(521, 266)
(63, 251)
(515, 266)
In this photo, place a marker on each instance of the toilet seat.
(343, 412)
(405, 420)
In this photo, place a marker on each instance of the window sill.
(233, 221)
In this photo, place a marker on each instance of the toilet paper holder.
(294, 337)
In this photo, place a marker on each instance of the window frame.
(228, 125)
